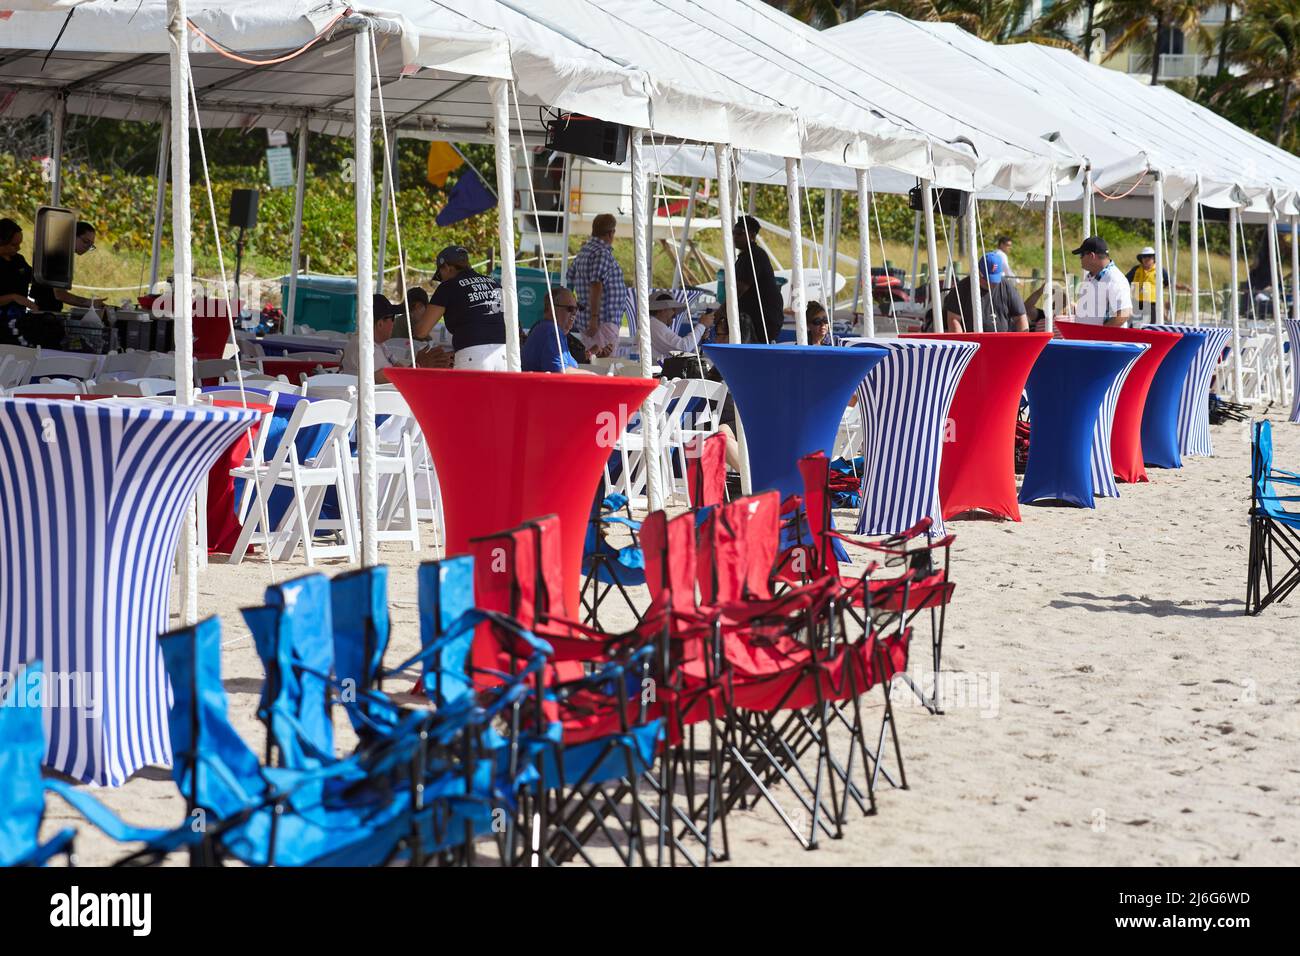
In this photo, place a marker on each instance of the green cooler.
(322, 302)
(532, 291)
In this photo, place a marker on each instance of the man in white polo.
(1105, 297)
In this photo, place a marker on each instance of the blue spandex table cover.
(1293, 335)
(790, 399)
(92, 495)
(1161, 417)
(904, 404)
(1072, 391)
(1194, 403)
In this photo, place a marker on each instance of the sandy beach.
(1111, 704)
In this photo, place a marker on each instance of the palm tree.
(1128, 25)
(1054, 23)
(819, 13)
(1264, 46)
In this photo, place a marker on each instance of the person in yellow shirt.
(1142, 277)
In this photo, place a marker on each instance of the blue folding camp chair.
(605, 567)
(1274, 529)
(22, 791)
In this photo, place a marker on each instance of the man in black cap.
(760, 296)
(1104, 295)
(471, 306)
(385, 314)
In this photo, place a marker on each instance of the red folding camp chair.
(928, 586)
(706, 470)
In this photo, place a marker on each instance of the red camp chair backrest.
(505, 579)
(706, 470)
(721, 557)
(669, 549)
(549, 563)
(761, 515)
(815, 470)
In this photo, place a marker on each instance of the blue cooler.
(322, 301)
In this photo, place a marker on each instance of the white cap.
(1146, 251)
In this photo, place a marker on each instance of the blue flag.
(469, 197)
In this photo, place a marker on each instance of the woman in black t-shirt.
(15, 273)
(470, 304)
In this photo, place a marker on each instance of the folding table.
(1126, 449)
(978, 469)
(511, 446)
(904, 403)
(93, 495)
(1072, 389)
(790, 399)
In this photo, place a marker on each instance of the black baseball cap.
(453, 255)
(749, 224)
(1094, 244)
(384, 308)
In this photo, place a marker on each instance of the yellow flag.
(443, 159)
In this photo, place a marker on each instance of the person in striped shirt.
(596, 279)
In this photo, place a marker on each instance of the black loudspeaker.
(243, 208)
(584, 136)
(53, 246)
(950, 202)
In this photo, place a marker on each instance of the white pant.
(482, 358)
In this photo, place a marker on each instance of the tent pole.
(1195, 219)
(1234, 305)
(299, 193)
(182, 268)
(686, 232)
(565, 187)
(385, 200)
(828, 267)
(1158, 228)
(932, 254)
(366, 445)
(1087, 201)
(505, 218)
(642, 224)
(1278, 330)
(864, 256)
(159, 203)
(833, 260)
(973, 250)
(59, 122)
(798, 294)
(726, 215)
(1049, 209)
(1295, 276)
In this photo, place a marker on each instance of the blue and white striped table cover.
(1293, 335)
(1103, 469)
(1194, 406)
(93, 495)
(904, 405)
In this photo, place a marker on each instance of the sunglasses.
(566, 308)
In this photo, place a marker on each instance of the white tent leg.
(726, 212)
(1278, 305)
(973, 250)
(932, 255)
(182, 269)
(1234, 305)
(59, 123)
(798, 293)
(1173, 266)
(1295, 276)
(1195, 217)
(1087, 201)
(299, 195)
(385, 200)
(1049, 209)
(159, 203)
(641, 225)
(565, 189)
(864, 256)
(686, 232)
(505, 218)
(828, 267)
(366, 445)
(916, 251)
(1158, 227)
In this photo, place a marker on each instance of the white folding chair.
(121, 389)
(314, 356)
(631, 448)
(63, 366)
(12, 371)
(331, 468)
(47, 388)
(153, 386)
(123, 366)
(315, 384)
(395, 466)
(261, 380)
(205, 369)
(160, 366)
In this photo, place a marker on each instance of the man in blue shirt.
(545, 349)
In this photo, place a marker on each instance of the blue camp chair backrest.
(447, 592)
(294, 637)
(22, 747)
(359, 607)
(214, 769)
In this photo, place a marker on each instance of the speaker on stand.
(243, 216)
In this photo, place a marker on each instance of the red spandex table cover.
(978, 467)
(223, 522)
(511, 446)
(1126, 432)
